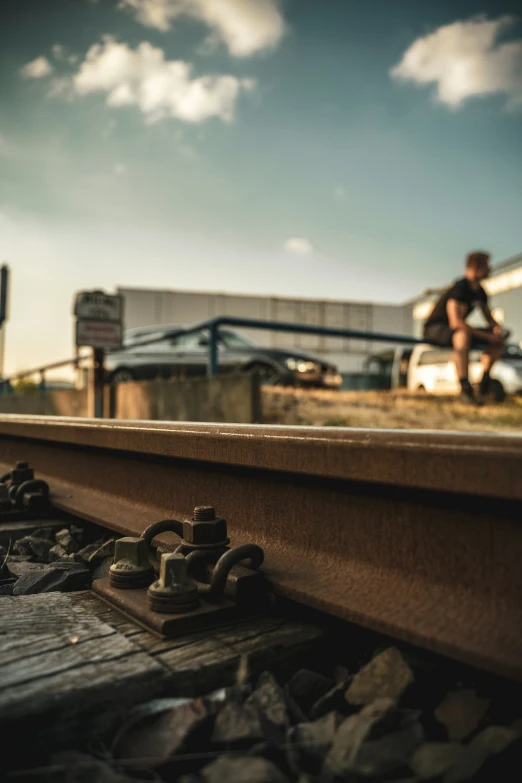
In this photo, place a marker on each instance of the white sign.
(99, 334)
(97, 306)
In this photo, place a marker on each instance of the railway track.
(415, 535)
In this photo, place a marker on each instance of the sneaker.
(467, 397)
(484, 387)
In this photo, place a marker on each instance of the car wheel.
(122, 375)
(421, 390)
(268, 375)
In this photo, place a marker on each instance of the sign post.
(98, 381)
(99, 325)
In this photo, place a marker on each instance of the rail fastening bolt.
(21, 472)
(174, 592)
(204, 514)
(131, 567)
(205, 528)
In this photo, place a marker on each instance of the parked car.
(389, 368)
(185, 354)
(432, 370)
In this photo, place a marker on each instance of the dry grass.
(385, 409)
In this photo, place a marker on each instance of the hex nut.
(22, 472)
(205, 532)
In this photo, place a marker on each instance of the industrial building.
(144, 307)
(504, 288)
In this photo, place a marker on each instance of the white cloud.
(244, 26)
(60, 87)
(299, 245)
(158, 87)
(152, 13)
(120, 168)
(58, 51)
(37, 69)
(464, 60)
(340, 191)
(62, 54)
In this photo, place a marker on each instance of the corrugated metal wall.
(147, 308)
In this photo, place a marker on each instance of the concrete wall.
(149, 308)
(51, 403)
(229, 398)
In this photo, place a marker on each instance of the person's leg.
(461, 343)
(488, 359)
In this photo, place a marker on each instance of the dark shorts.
(442, 334)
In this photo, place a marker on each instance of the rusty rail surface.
(414, 534)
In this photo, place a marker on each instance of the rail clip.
(203, 582)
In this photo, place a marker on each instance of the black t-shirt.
(462, 292)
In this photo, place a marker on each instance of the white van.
(432, 370)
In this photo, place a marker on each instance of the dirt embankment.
(384, 409)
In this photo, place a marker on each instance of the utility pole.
(4, 304)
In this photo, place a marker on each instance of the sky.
(343, 149)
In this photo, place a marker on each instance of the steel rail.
(414, 534)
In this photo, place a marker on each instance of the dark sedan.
(184, 354)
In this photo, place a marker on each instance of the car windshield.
(234, 340)
(512, 352)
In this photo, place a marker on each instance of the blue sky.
(343, 149)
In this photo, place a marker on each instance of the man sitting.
(447, 325)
